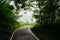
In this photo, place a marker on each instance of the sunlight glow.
(12, 3)
(27, 16)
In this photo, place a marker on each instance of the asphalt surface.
(23, 33)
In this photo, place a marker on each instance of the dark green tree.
(48, 10)
(8, 20)
(48, 20)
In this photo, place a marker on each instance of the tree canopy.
(8, 20)
(48, 18)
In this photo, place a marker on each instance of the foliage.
(26, 24)
(7, 20)
(19, 2)
(48, 20)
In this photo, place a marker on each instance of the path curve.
(23, 33)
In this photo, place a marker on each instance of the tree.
(48, 11)
(48, 19)
(8, 20)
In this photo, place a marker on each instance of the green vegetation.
(26, 24)
(7, 20)
(47, 26)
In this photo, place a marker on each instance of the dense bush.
(7, 20)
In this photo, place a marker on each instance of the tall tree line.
(8, 20)
(48, 20)
(48, 10)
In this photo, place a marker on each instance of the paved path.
(23, 34)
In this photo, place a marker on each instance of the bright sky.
(26, 15)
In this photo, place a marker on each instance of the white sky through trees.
(27, 14)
